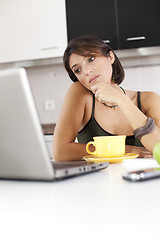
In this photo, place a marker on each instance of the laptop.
(23, 151)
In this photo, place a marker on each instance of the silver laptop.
(23, 151)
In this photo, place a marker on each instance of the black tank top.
(92, 128)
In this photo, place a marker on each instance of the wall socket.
(49, 105)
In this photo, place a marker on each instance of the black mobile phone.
(141, 175)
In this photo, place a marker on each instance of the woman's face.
(93, 69)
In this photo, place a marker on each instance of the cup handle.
(87, 147)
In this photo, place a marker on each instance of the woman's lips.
(93, 79)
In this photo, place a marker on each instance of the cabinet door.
(88, 17)
(32, 29)
(138, 23)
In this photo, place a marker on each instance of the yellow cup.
(108, 146)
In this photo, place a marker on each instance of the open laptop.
(23, 151)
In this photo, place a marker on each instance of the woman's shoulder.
(78, 90)
(149, 94)
(145, 95)
(149, 97)
(150, 101)
(78, 86)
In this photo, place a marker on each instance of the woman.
(96, 105)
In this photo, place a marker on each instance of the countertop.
(99, 205)
(48, 129)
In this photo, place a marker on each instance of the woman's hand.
(143, 152)
(107, 93)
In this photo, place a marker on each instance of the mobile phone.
(141, 175)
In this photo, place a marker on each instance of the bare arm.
(136, 118)
(143, 152)
(64, 146)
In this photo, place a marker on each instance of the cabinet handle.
(106, 41)
(135, 38)
(48, 48)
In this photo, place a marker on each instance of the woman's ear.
(111, 57)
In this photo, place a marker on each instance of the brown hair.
(91, 45)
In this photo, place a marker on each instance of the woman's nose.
(88, 71)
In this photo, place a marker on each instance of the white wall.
(146, 78)
(51, 83)
(48, 83)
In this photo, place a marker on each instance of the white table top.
(100, 205)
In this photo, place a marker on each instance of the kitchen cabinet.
(138, 23)
(32, 29)
(123, 24)
(93, 18)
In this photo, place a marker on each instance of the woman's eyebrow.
(73, 66)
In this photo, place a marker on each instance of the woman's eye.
(91, 59)
(77, 70)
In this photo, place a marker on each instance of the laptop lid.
(23, 150)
